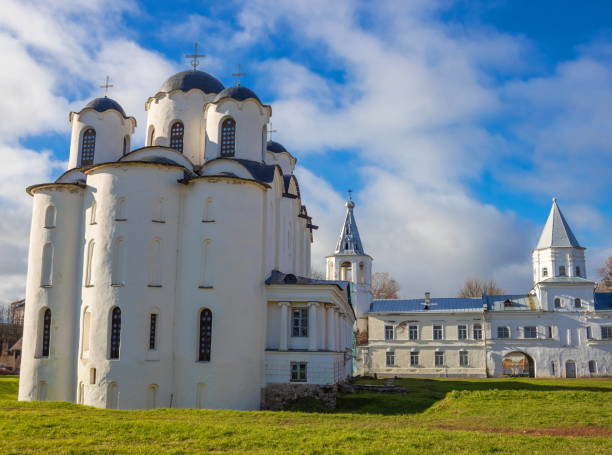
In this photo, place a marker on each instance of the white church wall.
(284, 160)
(322, 368)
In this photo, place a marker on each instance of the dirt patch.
(568, 432)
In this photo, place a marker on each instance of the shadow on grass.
(424, 393)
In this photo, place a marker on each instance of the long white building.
(177, 274)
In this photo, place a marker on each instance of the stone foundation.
(275, 397)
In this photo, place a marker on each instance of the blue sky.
(454, 122)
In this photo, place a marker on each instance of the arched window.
(205, 281)
(88, 147)
(115, 333)
(205, 335)
(50, 217)
(126, 144)
(151, 136)
(561, 270)
(92, 212)
(120, 214)
(346, 271)
(88, 263)
(46, 276)
(557, 302)
(46, 333)
(228, 137)
(118, 263)
(361, 273)
(86, 333)
(176, 136)
(155, 263)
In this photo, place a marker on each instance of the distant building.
(11, 332)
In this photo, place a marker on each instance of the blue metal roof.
(237, 92)
(275, 147)
(603, 301)
(436, 305)
(511, 302)
(191, 79)
(104, 104)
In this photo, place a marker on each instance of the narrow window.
(205, 335)
(361, 273)
(118, 263)
(155, 263)
(152, 331)
(577, 303)
(439, 359)
(413, 332)
(477, 332)
(92, 375)
(115, 338)
(86, 332)
(46, 333)
(462, 332)
(530, 332)
(553, 369)
(50, 217)
(126, 144)
(228, 137)
(463, 359)
(503, 332)
(208, 210)
(92, 212)
(557, 302)
(151, 136)
(544, 272)
(437, 332)
(390, 358)
(592, 367)
(589, 333)
(606, 332)
(346, 271)
(46, 277)
(205, 265)
(88, 147)
(389, 332)
(299, 322)
(176, 136)
(298, 372)
(414, 358)
(120, 209)
(561, 270)
(550, 331)
(88, 263)
(578, 271)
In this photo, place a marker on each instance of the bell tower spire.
(349, 241)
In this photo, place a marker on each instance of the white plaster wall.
(284, 160)
(58, 370)
(323, 368)
(552, 258)
(111, 127)
(547, 293)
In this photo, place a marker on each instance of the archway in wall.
(518, 364)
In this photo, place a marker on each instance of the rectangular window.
(414, 358)
(92, 375)
(437, 332)
(606, 332)
(550, 331)
(530, 332)
(389, 335)
(299, 322)
(592, 366)
(462, 332)
(463, 358)
(477, 332)
(298, 372)
(503, 332)
(153, 332)
(439, 358)
(552, 368)
(589, 331)
(413, 332)
(544, 271)
(390, 358)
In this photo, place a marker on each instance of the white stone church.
(178, 275)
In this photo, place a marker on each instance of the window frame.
(298, 372)
(437, 332)
(114, 346)
(439, 359)
(462, 332)
(530, 332)
(503, 330)
(177, 136)
(45, 333)
(390, 358)
(153, 331)
(606, 332)
(205, 319)
(227, 145)
(389, 332)
(413, 332)
(464, 359)
(477, 331)
(88, 149)
(414, 358)
(299, 324)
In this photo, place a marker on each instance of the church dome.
(275, 147)
(191, 79)
(237, 92)
(104, 104)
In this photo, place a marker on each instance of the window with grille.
(531, 332)
(298, 372)
(463, 359)
(176, 136)
(439, 358)
(205, 335)
(477, 332)
(437, 332)
(153, 332)
(390, 358)
(299, 322)
(46, 334)
(606, 332)
(503, 332)
(88, 147)
(462, 332)
(413, 332)
(389, 335)
(115, 340)
(414, 359)
(228, 137)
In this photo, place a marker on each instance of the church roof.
(259, 171)
(349, 241)
(277, 277)
(104, 104)
(556, 232)
(511, 302)
(275, 147)
(460, 304)
(191, 79)
(237, 92)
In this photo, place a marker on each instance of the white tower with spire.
(350, 263)
(559, 265)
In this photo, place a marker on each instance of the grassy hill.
(456, 416)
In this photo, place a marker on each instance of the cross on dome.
(106, 86)
(194, 57)
(238, 75)
(270, 131)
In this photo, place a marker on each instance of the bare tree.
(605, 285)
(384, 287)
(317, 275)
(475, 287)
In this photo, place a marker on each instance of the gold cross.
(194, 57)
(238, 74)
(270, 130)
(106, 86)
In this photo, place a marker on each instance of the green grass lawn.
(455, 416)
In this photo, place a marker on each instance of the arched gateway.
(518, 364)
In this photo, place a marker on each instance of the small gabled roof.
(556, 232)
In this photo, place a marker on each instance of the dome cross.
(238, 75)
(270, 131)
(106, 86)
(195, 56)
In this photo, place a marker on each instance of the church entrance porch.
(518, 364)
